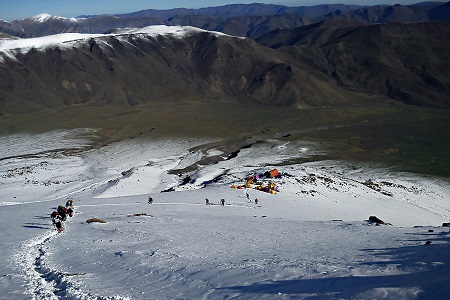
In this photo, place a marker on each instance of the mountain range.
(249, 20)
(292, 56)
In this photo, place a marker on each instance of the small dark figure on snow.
(256, 201)
(62, 211)
(58, 224)
(70, 211)
(207, 201)
(150, 200)
(57, 220)
(54, 214)
(69, 203)
(222, 202)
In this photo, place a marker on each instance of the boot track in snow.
(43, 281)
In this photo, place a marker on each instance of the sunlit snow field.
(310, 240)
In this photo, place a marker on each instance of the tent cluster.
(61, 214)
(257, 182)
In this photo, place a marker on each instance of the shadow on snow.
(423, 267)
(37, 226)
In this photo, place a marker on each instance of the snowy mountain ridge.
(41, 18)
(64, 39)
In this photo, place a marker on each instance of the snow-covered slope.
(42, 18)
(70, 38)
(309, 240)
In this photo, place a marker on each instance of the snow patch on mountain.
(44, 17)
(43, 42)
(173, 31)
(41, 18)
(68, 39)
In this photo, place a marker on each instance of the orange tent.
(274, 173)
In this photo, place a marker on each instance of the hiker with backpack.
(60, 214)
(53, 215)
(69, 203)
(57, 221)
(62, 211)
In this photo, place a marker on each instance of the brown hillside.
(135, 69)
(408, 62)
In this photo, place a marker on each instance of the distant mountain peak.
(44, 17)
(41, 17)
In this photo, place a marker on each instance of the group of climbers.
(60, 215)
(221, 202)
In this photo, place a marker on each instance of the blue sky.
(20, 9)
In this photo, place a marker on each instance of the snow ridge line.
(43, 281)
